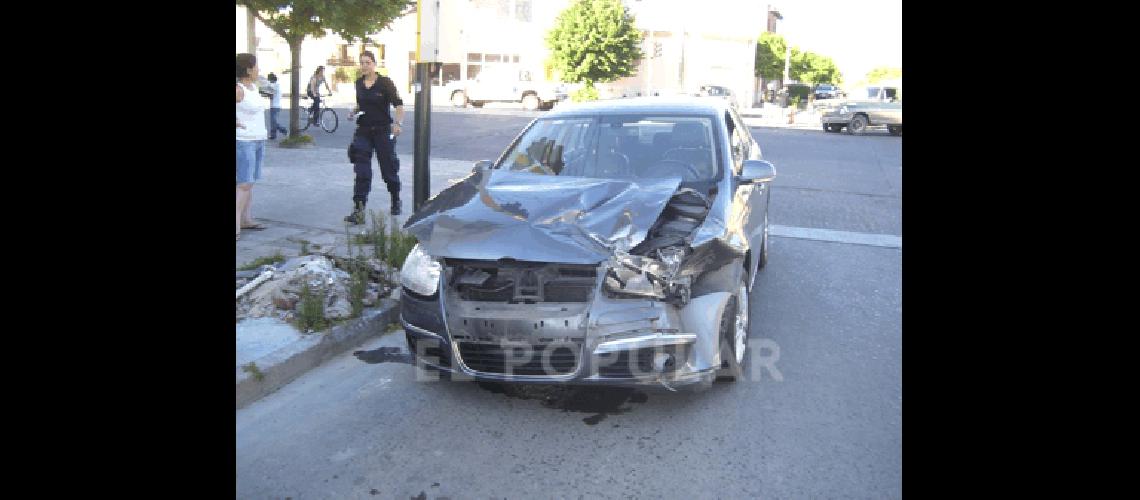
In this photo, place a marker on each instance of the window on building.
(450, 72)
(522, 10)
(493, 58)
(516, 58)
(474, 57)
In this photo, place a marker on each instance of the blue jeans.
(273, 126)
(249, 157)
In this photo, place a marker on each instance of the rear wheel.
(459, 99)
(858, 125)
(530, 102)
(734, 336)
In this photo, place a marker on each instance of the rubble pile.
(280, 294)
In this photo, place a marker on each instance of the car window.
(618, 147)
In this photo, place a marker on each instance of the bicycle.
(329, 119)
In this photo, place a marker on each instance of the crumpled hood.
(492, 214)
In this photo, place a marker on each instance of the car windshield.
(618, 147)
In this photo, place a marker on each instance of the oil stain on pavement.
(599, 401)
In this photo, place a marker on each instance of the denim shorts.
(249, 156)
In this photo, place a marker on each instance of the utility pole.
(427, 53)
(250, 32)
(784, 82)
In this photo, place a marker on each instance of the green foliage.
(356, 288)
(797, 93)
(252, 369)
(883, 73)
(809, 67)
(311, 310)
(346, 74)
(796, 102)
(276, 258)
(296, 140)
(587, 93)
(770, 56)
(594, 41)
(391, 247)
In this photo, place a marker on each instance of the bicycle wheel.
(306, 120)
(329, 120)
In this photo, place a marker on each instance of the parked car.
(613, 242)
(505, 84)
(857, 115)
(719, 91)
(826, 91)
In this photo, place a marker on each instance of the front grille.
(517, 282)
(493, 358)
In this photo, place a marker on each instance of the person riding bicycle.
(314, 92)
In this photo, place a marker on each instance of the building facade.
(714, 44)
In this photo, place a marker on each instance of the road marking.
(809, 233)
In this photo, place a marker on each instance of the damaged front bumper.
(580, 339)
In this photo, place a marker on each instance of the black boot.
(395, 205)
(356, 218)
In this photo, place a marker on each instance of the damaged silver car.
(614, 242)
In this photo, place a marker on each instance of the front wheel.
(734, 336)
(858, 125)
(329, 120)
(459, 99)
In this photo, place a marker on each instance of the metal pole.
(422, 176)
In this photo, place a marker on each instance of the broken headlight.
(633, 276)
(420, 272)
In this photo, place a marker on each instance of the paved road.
(830, 427)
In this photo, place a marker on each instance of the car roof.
(679, 105)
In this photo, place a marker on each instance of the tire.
(734, 336)
(763, 259)
(895, 129)
(858, 125)
(307, 122)
(459, 99)
(531, 102)
(329, 120)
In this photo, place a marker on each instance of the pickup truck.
(505, 84)
(857, 115)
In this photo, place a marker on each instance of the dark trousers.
(316, 106)
(366, 140)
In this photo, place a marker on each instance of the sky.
(858, 35)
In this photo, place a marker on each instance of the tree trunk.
(295, 81)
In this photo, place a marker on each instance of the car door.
(750, 202)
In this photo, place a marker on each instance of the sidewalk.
(304, 195)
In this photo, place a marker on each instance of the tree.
(594, 41)
(883, 73)
(294, 20)
(770, 56)
(809, 67)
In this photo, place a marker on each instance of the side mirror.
(756, 172)
(482, 165)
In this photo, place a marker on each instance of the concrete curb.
(287, 363)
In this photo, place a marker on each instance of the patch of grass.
(390, 246)
(356, 288)
(252, 369)
(296, 141)
(311, 310)
(274, 259)
(304, 247)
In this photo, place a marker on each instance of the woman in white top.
(251, 136)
